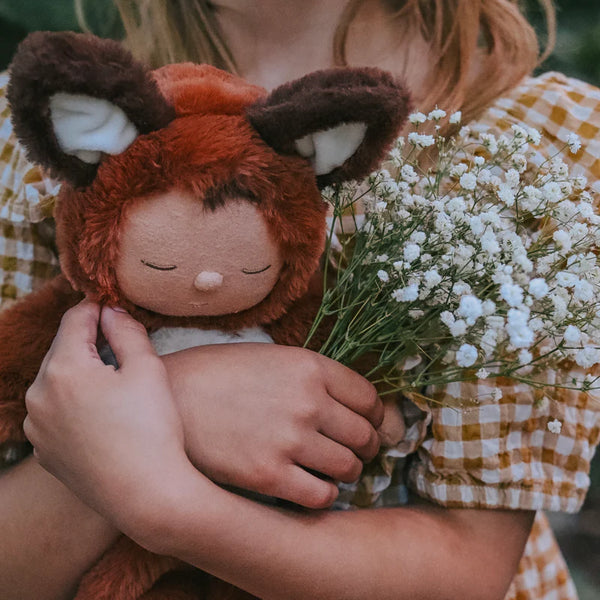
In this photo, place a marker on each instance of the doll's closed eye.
(159, 267)
(249, 272)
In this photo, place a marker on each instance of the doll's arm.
(26, 332)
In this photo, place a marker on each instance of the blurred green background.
(577, 54)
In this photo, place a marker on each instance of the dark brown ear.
(343, 120)
(75, 97)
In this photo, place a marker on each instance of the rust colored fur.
(205, 132)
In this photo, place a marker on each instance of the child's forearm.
(416, 552)
(49, 538)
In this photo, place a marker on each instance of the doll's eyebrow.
(248, 272)
(158, 267)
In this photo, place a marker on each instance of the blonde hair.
(479, 48)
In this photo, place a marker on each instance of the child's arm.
(49, 537)
(145, 484)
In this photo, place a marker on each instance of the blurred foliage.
(577, 51)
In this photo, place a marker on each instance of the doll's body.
(191, 199)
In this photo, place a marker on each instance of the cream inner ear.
(86, 127)
(332, 147)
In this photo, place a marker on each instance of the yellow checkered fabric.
(487, 455)
(26, 200)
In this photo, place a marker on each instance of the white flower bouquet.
(486, 264)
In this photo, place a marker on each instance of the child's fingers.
(127, 337)
(301, 487)
(323, 455)
(349, 429)
(353, 390)
(76, 336)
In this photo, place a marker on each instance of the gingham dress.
(493, 454)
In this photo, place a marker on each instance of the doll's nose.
(208, 281)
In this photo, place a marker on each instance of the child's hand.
(257, 416)
(106, 434)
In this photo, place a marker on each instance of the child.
(458, 54)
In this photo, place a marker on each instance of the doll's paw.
(125, 572)
(12, 415)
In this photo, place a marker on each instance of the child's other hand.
(266, 418)
(108, 435)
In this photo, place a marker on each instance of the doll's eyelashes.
(159, 267)
(248, 272)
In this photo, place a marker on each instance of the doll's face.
(179, 258)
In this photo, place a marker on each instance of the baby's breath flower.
(588, 357)
(525, 357)
(421, 141)
(493, 254)
(466, 355)
(497, 394)
(468, 181)
(574, 143)
(417, 118)
(538, 288)
(572, 335)
(455, 118)
(554, 426)
(470, 308)
(512, 294)
(406, 294)
(436, 115)
(411, 252)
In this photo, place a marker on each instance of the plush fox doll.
(191, 199)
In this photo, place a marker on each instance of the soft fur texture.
(213, 136)
(77, 64)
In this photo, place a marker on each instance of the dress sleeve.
(27, 199)
(531, 449)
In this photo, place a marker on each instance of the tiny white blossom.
(421, 141)
(538, 288)
(497, 394)
(458, 328)
(488, 307)
(382, 258)
(525, 357)
(406, 294)
(456, 118)
(383, 275)
(512, 294)
(588, 357)
(437, 114)
(411, 252)
(482, 373)
(563, 239)
(417, 118)
(470, 308)
(574, 143)
(468, 181)
(572, 335)
(479, 161)
(583, 291)
(554, 426)
(466, 355)
(458, 170)
(506, 195)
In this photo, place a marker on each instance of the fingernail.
(118, 309)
